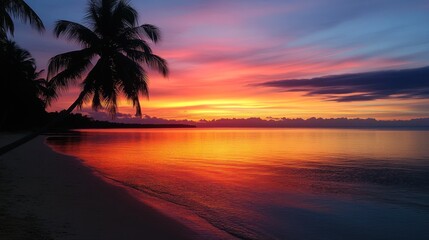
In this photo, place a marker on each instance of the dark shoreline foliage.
(22, 93)
(79, 121)
(112, 61)
(354, 123)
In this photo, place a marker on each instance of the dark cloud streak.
(407, 83)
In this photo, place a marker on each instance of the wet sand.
(46, 195)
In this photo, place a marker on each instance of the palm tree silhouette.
(18, 9)
(115, 39)
(22, 94)
(116, 42)
(44, 88)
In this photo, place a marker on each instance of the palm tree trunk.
(30, 136)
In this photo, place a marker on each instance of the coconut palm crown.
(18, 9)
(114, 51)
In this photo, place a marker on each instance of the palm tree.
(21, 93)
(18, 9)
(45, 90)
(116, 43)
(115, 40)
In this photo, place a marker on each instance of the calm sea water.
(274, 183)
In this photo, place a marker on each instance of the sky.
(270, 58)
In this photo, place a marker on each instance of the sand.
(46, 195)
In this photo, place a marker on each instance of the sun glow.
(218, 60)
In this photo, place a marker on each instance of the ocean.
(273, 183)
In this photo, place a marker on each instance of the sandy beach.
(46, 195)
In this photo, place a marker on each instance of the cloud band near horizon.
(367, 86)
(219, 51)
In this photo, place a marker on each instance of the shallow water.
(274, 183)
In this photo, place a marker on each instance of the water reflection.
(271, 183)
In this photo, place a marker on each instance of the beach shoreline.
(67, 200)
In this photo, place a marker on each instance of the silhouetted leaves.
(116, 41)
(23, 95)
(18, 9)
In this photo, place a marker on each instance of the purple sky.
(222, 54)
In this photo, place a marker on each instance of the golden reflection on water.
(240, 148)
(232, 177)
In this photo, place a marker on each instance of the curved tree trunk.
(30, 136)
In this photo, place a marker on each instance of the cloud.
(408, 83)
(216, 50)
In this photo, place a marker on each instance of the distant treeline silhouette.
(315, 123)
(270, 122)
(79, 121)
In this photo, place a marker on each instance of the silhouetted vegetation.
(79, 121)
(314, 123)
(23, 96)
(18, 9)
(118, 44)
(113, 39)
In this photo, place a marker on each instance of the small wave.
(237, 230)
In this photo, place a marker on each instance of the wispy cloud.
(218, 51)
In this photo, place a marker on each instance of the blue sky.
(219, 50)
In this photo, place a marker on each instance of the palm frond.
(133, 77)
(96, 101)
(152, 60)
(133, 80)
(101, 83)
(62, 61)
(68, 67)
(111, 103)
(46, 90)
(90, 85)
(134, 44)
(136, 104)
(21, 10)
(151, 31)
(75, 32)
(92, 15)
(104, 10)
(6, 24)
(125, 15)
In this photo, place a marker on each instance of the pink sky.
(219, 51)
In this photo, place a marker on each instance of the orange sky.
(219, 52)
